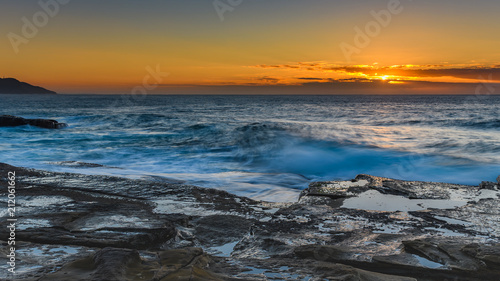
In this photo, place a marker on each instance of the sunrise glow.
(300, 47)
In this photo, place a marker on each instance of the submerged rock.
(14, 121)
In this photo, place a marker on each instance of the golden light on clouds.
(322, 71)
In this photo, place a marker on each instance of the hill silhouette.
(14, 86)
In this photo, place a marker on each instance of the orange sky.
(96, 47)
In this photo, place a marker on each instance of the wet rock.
(399, 260)
(421, 190)
(107, 264)
(135, 238)
(78, 164)
(324, 192)
(186, 264)
(338, 271)
(405, 266)
(37, 260)
(348, 273)
(46, 123)
(221, 229)
(112, 264)
(67, 216)
(481, 218)
(362, 183)
(489, 254)
(447, 253)
(426, 249)
(322, 253)
(14, 121)
(488, 185)
(153, 225)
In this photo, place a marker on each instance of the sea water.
(263, 147)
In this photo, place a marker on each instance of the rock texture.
(81, 227)
(14, 121)
(14, 86)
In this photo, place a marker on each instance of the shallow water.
(264, 147)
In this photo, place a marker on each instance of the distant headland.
(14, 86)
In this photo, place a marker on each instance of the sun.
(385, 77)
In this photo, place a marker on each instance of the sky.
(253, 46)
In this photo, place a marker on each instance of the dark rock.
(322, 252)
(327, 253)
(246, 239)
(186, 264)
(221, 229)
(340, 272)
(418, 189)
(14, 86)
(374, 182)
(108, 264)
(427, 250)
(488, 185)
(402, 259)
(362, 183)
(455, 265)
(336, 189)
(447, 252)
(135, 238)
(13, 121)
(489, 254)
(78, 164)
(112, 264)
(46, 123)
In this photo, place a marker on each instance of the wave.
(264, 142)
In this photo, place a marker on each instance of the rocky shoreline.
(82, 227)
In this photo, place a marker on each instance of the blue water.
(264, 147)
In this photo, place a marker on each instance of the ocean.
(263, 147)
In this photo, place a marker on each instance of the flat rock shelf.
(83, 227)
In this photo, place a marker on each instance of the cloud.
(466, 73)
(268, 79)
(311, 78)
(473, 72)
